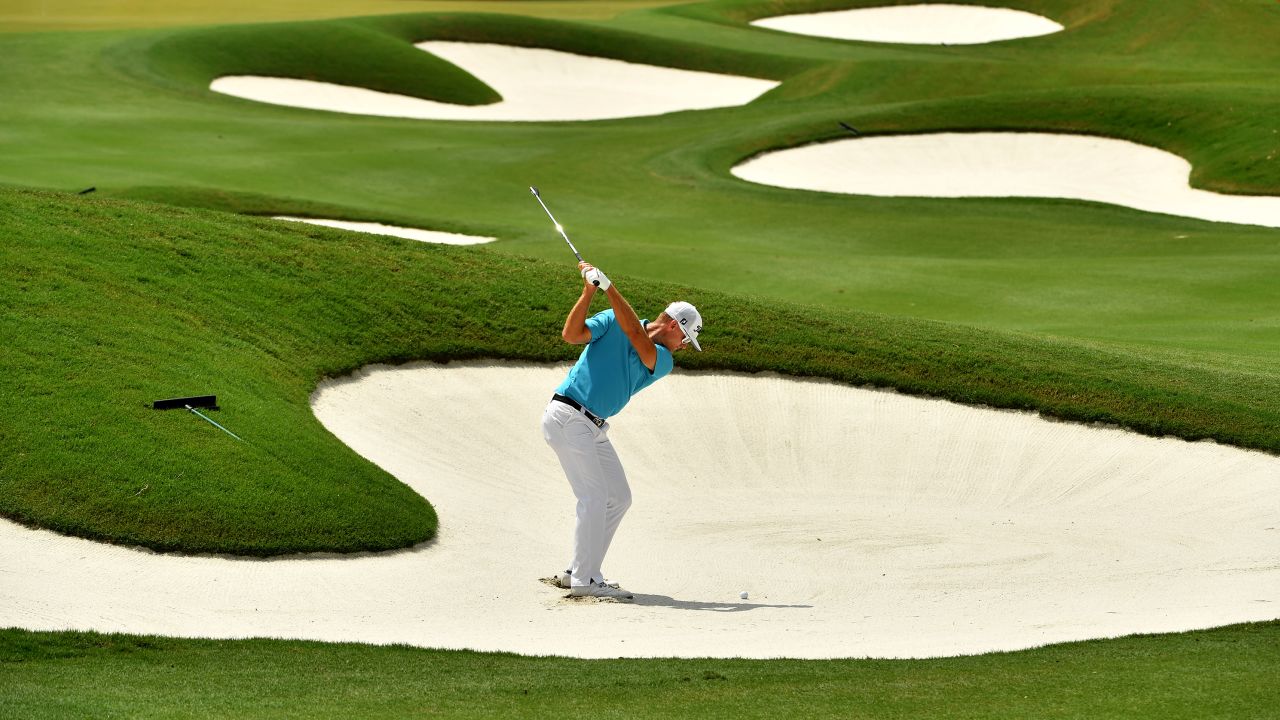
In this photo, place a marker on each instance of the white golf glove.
(594, 276)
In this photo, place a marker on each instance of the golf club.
(852, 130)
(559, 228)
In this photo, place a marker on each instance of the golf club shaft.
(559, 227)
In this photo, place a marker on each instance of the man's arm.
(634, 329)
(575, 330)
(626, 318)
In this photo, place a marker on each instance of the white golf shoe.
(601, 590)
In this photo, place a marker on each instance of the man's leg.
(616, 488)
(574, 439)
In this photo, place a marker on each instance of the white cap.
(689, 318)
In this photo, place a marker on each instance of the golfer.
(623, 355)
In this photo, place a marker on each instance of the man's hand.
(593, 276)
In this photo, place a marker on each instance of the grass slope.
(1222, 673)
(341, 52)
(1159, 323)
(131, 114)
(113, 304)
(39, 16)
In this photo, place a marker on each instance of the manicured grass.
(1081, 311)
(114, 304)
(1160, 324)
(130, 114)
(46, 15)
(1223, 673)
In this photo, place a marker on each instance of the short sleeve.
(600, 323)
(664, 362)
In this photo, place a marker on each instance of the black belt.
(599, 421)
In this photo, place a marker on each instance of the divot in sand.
(536, 85)
(866, 523)
(927, 24)
(1077, 167)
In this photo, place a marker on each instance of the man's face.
(676, 340)
(669, 335)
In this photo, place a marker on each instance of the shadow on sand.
(740, 606)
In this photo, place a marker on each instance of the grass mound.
(639, 190)
(336, 51)
(378, 53)
(113, 304)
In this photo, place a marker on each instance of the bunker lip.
(923, 24)
(536, 84)
(407, 233)
(861, 523)
(1007, 164)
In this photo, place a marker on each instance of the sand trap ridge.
(860, 522)
(431, 236)
(928, 24)
(536, 84)
(1007, 165)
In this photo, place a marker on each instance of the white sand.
(928, 24)
(431, 236)
(1007, 165)
(535, 84)
(861, 523)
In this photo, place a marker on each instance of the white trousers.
(598, 481)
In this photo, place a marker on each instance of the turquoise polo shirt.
(609, 370)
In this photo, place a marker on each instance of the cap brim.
(692, 340)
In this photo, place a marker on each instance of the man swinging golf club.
(623, 355)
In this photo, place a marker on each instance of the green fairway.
(1223, 673)
(130, 114)
(46, 15)
(115, 304)
(1082, 311)
(1085, 312)
(148, 288)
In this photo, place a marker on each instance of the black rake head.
(195, 401)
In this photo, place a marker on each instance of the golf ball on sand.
(743, 594)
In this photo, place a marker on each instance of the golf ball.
(743, 594)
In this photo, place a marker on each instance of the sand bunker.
(931, 24)
(1007, 165)
(861, 523)
(431, 236)
(535, 84)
